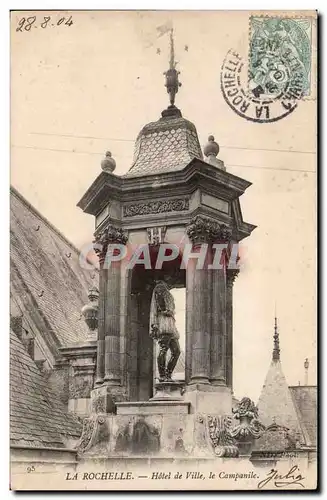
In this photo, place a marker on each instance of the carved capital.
(204, 230)
(111, 234)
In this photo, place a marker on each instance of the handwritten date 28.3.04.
(31, 22)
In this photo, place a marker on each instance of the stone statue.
(163, 329)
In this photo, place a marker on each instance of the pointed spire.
(172, 83)
(276, 350)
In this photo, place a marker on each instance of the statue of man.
(163, 329)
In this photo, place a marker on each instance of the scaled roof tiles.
(281, 406)
(165, 145)
(37, 417)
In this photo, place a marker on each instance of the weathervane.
(172, 84)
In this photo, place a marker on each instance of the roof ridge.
(16, 193)
(301, 386)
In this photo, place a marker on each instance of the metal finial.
(172, 62)
(90, 310)
(276, 350)
(306, 368)
(172, 84)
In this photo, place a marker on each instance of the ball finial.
(211, 148)
(108, 164)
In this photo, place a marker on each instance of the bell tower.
(171, 195)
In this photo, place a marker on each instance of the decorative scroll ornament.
(249, 427)
(111, 234)
(156, 207)
(87, 433)
(202, 229)
(218, 429)
(95, 430)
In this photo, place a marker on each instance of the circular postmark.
(276, 76)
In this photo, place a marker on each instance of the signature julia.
(293, 476)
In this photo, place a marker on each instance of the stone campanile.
(170, 195)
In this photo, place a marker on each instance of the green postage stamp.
(280, 57)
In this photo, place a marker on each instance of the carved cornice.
(202, 230)
(156, 207)
(106, 184)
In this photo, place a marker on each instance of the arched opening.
(140, 348)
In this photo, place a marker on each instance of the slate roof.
(168, 144)
(305, 398)
(37, 417)
(45, 266)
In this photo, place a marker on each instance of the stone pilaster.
(101, 325)
(108, 355)
(80, 359)
(231, 275)
(189, 321)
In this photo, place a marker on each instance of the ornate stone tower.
(169, 195)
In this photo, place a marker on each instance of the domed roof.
(166, 145)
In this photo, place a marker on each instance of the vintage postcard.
(163, 250)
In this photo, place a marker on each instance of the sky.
(80, 90)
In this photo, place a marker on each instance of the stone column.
(108, 354)
(206, 389)
(201, 231)
(218, 328)
(230, 278)
(200, 334)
